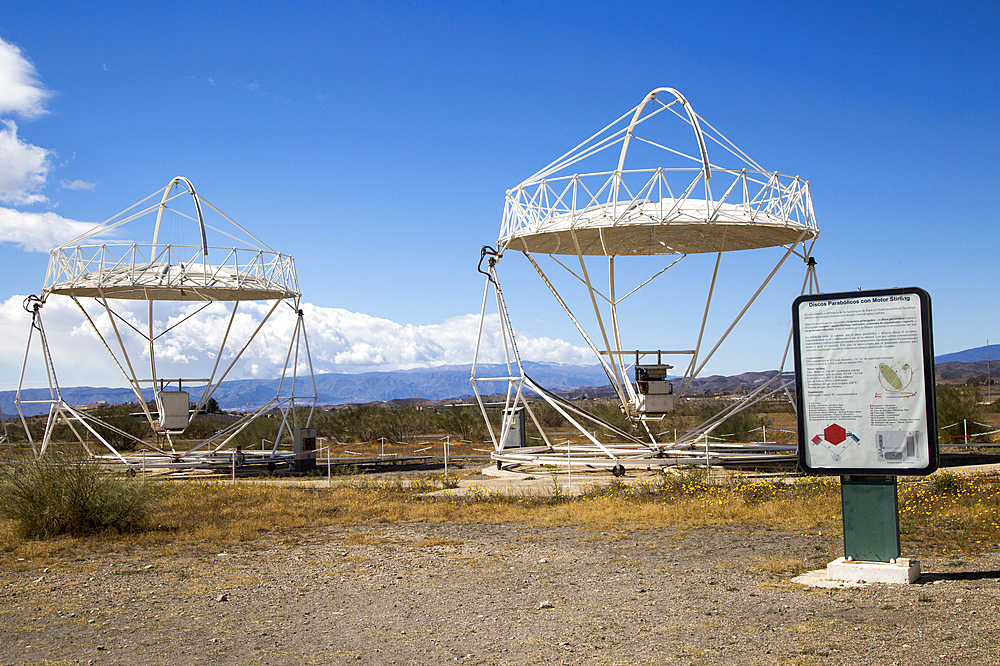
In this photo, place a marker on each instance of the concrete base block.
(903, 570)
(819, 578)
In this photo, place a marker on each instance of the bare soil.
(442, 593)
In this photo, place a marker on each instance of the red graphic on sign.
(834, 434)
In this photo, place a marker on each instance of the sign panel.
(864, 379)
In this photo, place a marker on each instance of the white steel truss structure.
(102, 279)
(683, 204)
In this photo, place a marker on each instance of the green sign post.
(871, 518)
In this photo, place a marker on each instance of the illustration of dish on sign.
(895, 379)
(836, 440)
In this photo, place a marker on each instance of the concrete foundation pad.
(902, 571)
(819, 578)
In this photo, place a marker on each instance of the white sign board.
(864, 377)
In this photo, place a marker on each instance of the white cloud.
(339, 341)
(38, 232)
(355, 342)
(20, 91)
(23, 167)
(76, 185)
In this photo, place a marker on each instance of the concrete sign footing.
(901, 570)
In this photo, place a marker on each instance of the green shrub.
(690, 481)
(956, 404)
(745, 426)
(61, 495)
(203, 426)
(610, 412)
(546, 415)
(465, 424)
(947, 483)
(368, 423)
(261, 428)
(755, 493)
(120, 418)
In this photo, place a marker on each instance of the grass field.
(944, 515)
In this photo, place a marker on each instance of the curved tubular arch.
(692, 117)
(197, 204)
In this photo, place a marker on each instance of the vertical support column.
(871, 518)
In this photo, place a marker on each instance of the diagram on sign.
(836, 440)
(895, 380)
(897, 446)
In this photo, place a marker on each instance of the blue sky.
(374, 142)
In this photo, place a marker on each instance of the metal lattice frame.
(111, 273)
(170, 272)
(684, 205)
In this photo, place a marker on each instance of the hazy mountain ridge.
(970, 355)
(335, 389)
(446, 382)
(958, 373)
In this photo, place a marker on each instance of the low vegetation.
(952, 513)
(58, 495)
(961, 413)
(62, 503)
(944, 515)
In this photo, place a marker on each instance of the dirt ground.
(443, 593)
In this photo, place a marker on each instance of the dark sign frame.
(842, 346)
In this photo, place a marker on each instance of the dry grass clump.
(364, 539)
(781, 565)
(59, 495)
(432, 543)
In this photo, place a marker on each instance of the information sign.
(864, 379)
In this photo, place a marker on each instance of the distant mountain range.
(959, 373)
(437, 383)
(970, 355)
(453, 382)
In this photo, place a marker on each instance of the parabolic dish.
(668, 226)
(266, 276)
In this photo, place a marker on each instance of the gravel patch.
(441, 593)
